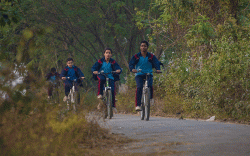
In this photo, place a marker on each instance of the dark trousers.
(140, 79)
(51, 87)
(101, 82)
(68, 85)
(50, 90)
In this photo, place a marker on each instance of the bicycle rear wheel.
(147, 104)
(109, 104)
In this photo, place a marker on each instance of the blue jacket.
(114, 65)
(78, 72)
(151, 58)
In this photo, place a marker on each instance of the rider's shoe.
(138, 108)
(99, 106)
(49, 97)
(65, 98)
(99, 96)
(152, 101)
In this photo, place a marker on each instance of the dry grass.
(29, 125)
(126, 102)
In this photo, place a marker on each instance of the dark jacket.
(77, 71)
(114, 65)
(151, 58)
(50, 74)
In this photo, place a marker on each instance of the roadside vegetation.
(212, 77)
(207, 53)
(204, 46)
(32, 125)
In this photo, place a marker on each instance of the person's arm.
(94, 68)
(118, 69)
(156, 63)
(81, 75)
(132, 63)
(63, 74)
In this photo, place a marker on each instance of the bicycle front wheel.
(109, 104)
(147, 104)
(142, 112)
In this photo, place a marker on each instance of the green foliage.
(208, 52)
(8, 12)
(201, 33)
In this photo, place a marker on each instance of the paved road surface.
(168, 136)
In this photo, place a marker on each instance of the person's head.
(70, 62)
(144, 46)
(53, 70)
(107, 53)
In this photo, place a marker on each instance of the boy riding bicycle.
(144, 61)
(73, 72)
(106, 64)
(53, 78)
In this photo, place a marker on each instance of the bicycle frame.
(71, 97)
(106, 87)
(107, 96)
(145, 99)
(145, 86)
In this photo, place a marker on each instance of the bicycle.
(145, 100)
(73, 98)
(107, 96)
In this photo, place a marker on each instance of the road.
(169, 136)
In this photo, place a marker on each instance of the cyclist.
(73, 72)
(53, 77)
(145, 61)
(107, 64)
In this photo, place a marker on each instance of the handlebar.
(140, 71)
(73, 79)
(102, 72)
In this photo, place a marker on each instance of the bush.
(31, 126)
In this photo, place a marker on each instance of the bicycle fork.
(107, 88)
(72, 94)
(71, 97)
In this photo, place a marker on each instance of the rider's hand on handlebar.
(82, 78)
(118, 71)
(134, 70)
(158, 71)
(63, 78)
(95, 72)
